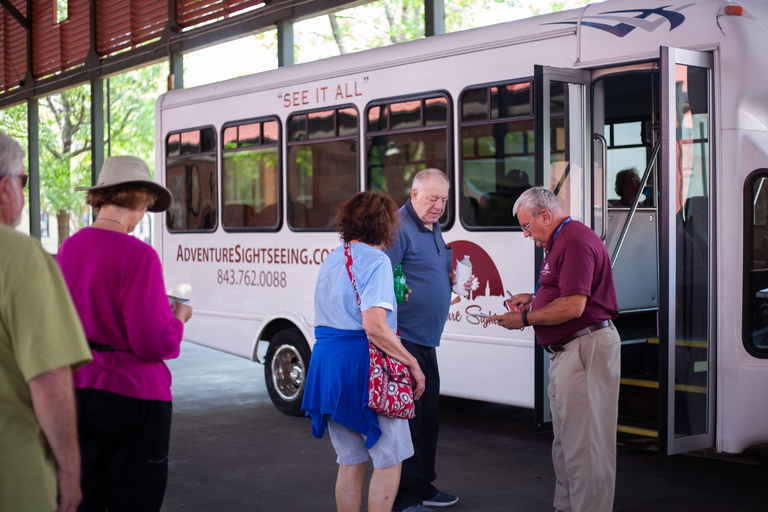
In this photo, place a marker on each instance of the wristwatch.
(525, 319)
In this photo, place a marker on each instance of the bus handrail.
(604, 205)
(643, 181)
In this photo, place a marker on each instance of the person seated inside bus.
(496, 207)
(627, 184)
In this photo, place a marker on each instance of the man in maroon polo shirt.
(571, 312)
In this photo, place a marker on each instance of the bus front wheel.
(285, 370)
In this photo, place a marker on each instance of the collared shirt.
(426, 263)
(577, 262)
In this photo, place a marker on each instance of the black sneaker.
(441, 499)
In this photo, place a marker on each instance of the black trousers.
(124, 450)
(419, 470)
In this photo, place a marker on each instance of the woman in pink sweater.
(124, 395)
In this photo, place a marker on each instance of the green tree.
(65, 138)
(65, 154)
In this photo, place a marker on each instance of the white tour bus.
(674, 91)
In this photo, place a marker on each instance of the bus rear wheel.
(285, 370)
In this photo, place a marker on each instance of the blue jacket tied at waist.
(337, 384)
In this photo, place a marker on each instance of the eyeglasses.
(23, 177)
(435, 199)
(527, 227)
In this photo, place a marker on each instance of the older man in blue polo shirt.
(426, 262)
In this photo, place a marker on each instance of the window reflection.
(756, 271)
(418, 139)
(250, 176)
(497, 159)
(191, 178)
(321, 172)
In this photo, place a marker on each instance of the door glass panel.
(566, 146)
(692, 287)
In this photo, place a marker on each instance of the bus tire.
(285, 369)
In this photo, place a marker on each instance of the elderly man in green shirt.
(41, 342)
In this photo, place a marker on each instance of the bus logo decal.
(484, 269)
(627, 24)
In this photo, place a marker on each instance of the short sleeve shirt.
(335, 301)
(426, 262)
(577, 262)
(39, 332)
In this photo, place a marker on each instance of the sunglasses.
(24, 178)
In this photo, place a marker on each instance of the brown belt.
(559, 345)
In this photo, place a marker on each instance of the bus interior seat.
(268, 216)
(238, 215)
(299, 211)
(765, 251)
(696, 221)
(499, 204)
(692, 275)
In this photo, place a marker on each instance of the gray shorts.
(393, 447)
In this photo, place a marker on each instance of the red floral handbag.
(389, 382)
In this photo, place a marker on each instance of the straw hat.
(119, 170)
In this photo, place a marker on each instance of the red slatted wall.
(14, 40)
(120, 25)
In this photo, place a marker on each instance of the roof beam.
(172, 42)
(24, 22)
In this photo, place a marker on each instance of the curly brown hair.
(130, 195)
(368, 217)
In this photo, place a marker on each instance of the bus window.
(190, 175)
(250, 176)
(756, 268)
(404, 137)
(496, 153)
(322, 166)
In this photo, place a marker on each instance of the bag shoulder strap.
(348, 258)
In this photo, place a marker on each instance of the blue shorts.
(393, 447)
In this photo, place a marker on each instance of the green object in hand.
(400, 287)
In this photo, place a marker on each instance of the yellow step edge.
(682, 343)
(638, 431)
(643, 383)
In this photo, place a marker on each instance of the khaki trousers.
(584, 395)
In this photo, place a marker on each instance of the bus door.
(651, 206)
(625, 211)
(687, 314)
(562, 156)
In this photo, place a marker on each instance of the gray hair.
(425, 175)
(11, 156)
(536, 199)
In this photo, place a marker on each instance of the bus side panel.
(744, 378)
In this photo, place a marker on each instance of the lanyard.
(538, 281)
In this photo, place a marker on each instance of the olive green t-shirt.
(39, 332)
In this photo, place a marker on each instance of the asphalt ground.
(231, 450)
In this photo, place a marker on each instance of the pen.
(510, 295)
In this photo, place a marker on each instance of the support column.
(176, 80)
(33, 169)
(434, 17)
(284, 43)
(97, 128)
